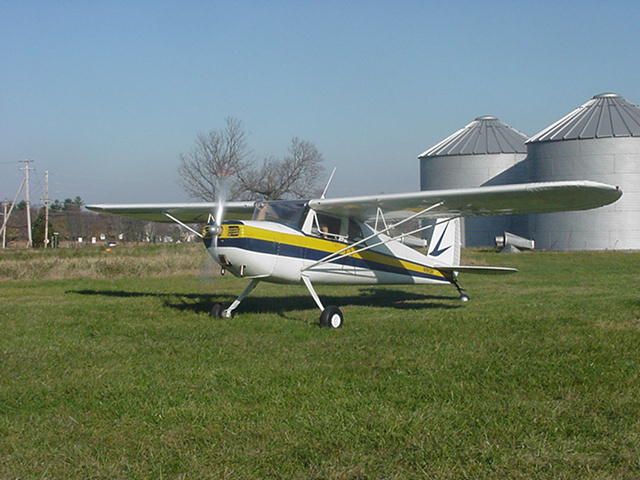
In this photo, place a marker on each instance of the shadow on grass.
(370, 297)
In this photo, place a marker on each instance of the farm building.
(485, 152)
(599, 141)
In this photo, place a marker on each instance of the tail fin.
(444, 246)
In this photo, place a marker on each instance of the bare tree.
(295, 176)
(219, 154)
(223, 155)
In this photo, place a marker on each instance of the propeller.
(221, 200)
(213, 229)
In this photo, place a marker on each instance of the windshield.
(286, 212)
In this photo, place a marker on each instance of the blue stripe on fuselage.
(294, 251)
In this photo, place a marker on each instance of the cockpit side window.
(342, 229)
(328, 224)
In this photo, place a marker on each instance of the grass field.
(119, 375)
(98, 262)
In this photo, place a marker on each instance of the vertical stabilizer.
(444, 246)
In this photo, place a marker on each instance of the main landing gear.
(330, 316)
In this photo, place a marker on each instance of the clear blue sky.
(106, 95)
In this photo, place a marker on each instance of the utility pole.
(46, 208)
(4, 219)
(27, 201)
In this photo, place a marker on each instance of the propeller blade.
(221, 199)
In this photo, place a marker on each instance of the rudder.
(444, 246)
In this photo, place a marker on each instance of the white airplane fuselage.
(273, 252)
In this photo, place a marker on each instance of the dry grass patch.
(96, 263)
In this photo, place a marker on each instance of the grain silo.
(600, 140)
(485, 152)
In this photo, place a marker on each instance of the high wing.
(185, 212)
(495, 200)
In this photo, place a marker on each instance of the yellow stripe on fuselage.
(327, 246)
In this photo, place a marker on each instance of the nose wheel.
(218, 310)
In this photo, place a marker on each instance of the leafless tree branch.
(217, 154)
(295, 176)
(224, 154)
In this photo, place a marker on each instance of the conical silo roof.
(604, 116)
(486, 135)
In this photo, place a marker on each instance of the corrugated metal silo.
(600, 140)
(485, 152)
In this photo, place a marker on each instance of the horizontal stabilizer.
(478, 269)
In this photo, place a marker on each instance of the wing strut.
(381, 242)
(339, 253)
(171, 217)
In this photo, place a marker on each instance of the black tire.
(331, 317)
(216, 310)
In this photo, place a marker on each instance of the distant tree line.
(67, 205)
(69, 221)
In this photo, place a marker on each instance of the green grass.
(536, 377)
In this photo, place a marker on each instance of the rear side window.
(355, 231)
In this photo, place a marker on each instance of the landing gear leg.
(217, 309)
(463, 295)
(330, 316)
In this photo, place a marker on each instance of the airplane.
(356, 240)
